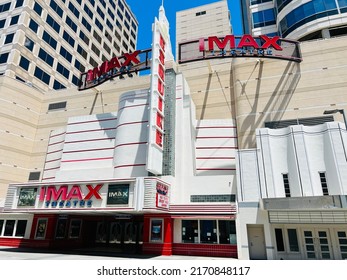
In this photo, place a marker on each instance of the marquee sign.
(239, 46)
(116, 67)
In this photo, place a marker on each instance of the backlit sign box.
(239, 46)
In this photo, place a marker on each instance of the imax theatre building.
(237, 150)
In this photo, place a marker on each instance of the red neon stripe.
(128, 144)
(87, 159)
(129, 123)
(54, 151)
(88, 140)
(101, 120)
(55, 143)
(88, 150)
(57, 134)
(48, 161)
(130, 165)
(48, 169)
(91, 130)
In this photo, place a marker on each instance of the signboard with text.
(118, 194)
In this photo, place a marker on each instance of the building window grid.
(323, 181)
(24, 63)
(55, 25)
(9, 38)
(46, 57)
(37, 8)
(286, 184)
(14, 20)
(5, 7)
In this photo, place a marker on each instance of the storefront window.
(208, 231)
(293, 240)
(190, 231)
(75, 228)
(156, 230)
(41, 228)
(227, 232)
(61, 228)
(279, 239)
(9, 227)
(20, 229)
(1, 225)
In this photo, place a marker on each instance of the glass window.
(5, 7)
(57, 85)
(190, 231)
(2, 23)
(37, 8)
(98, 24)
(110, 13)
(46, 57)
(293, 240)
(14, 20)
(64, 53)
(3, 57)
(61, 229)
(86, 24)
(100, 12)
(49, 40)
(88, 11)
(323, 181)
(24, 63)
(29, 44)
(55, 25)
(9, 227)
(82, 52)
(208, 231)
(279, 239)
(75, 80)
(227, 232)
(41, 228)
(62, 70)
(75, 228)
(70, 23)
(74, 10)
(69, 39)
(286, 184)
(121, 5)
(56, 8)
(92, 2)
(96, 50)
(9, 38)
(97, 36)
(84, 37)
(21, 227)
(156, 234)
(1, 226)
(79, 66)
(19, 3)
(41, 75)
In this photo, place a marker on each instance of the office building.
(297, 20)
(47, 44)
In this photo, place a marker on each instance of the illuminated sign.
(118, 194)
(126, 64)
(162, 198)
(65, 196)
(239, 46)
(27, 197)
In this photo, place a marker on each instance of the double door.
(317, 244)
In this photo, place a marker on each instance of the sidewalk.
(9, 253)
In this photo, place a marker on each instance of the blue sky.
(146, 11)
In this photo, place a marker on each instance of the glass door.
(317, 244)
(342, 237)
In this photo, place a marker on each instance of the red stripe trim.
(216, 137)
(54, 151)
(57, 134)
(91, 130)
(127, 144)
(89, 140)
(48, 178)
(206, 148)
(131, 106)
(203, 127)
(130, 165)
(88, 150)
(86, 159)
(129, 123)
(52, 160)
(215, 158)
(55, 143)
(102, 120)
(48, 169)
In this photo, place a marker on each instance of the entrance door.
(342, 237)
(256, 242)
(317, 244)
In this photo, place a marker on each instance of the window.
(20, 229)
(41, 229)
(5, 7)
(120, 15)
(96, 50)
(14, 20)
(57, 106)
(49, 40)
(33, 25)
(29, 44)
(121, 5)
(97, 36)
(101, 13)
(69, 39)
(323, 181)
(93, 62)
(19, 3)
(62, 70)
(286, 184)
(74, 10)
(1, 226)
(75, 80)
(86, 24)
(64, 53)
(92, 2)
(2, 23)
(38, 9)
(227, 232)
(156, 234)
(84, 37)
(46, 57)
(57, 85)
(9, 227)
(3, 57)
(107, 48)
(82, 52)
(41, 75)
(53, 24)
(56, 8)
(208, 231)
(88, 11)
(293, 240)
(75, 228)
(61, 229)
(200, 13)
(9, 38)
(99, 24)
(79, 66)
(110, 13)
(279, 239)
(264, 18)
(24, 63)
(70, 23)
(34, 176)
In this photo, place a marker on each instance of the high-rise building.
(47, 44)
(295, 19)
